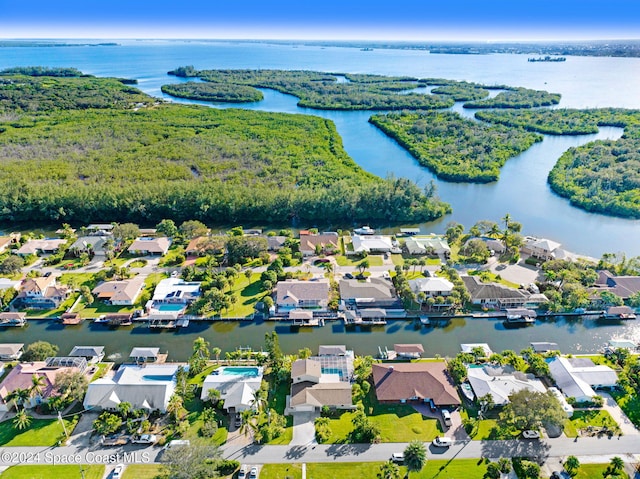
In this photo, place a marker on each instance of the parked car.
(117, 472)
(177, 442)
(242, 472)
(556, 475)
(348, 276)
(253, 473)
(432, 405)
(531, 434)
(114, 440)
(446, 417)
(145, 439)
(397, 457)
(442, 441)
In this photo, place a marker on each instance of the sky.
(451, 20)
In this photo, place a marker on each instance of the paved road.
(543, 450)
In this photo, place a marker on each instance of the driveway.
(611, 406)
(455, 431)
(304, 431)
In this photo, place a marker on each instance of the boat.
(467, 391)
(618, 313)
(13, 322)
(425, 321)
(364, 230)
(69, 319)
(520, 316)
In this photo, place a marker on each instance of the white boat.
(364, 230)
(467, 390)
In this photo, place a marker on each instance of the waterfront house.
(311, 244)
(540, 248)
(11, 351)
(144, 355)
(578, 377)
(433, 286)
(21, 377)
(41, 293)
(370, 293)
(40, 246)
(176, 291)
(145, 246)
(622, 286)
(295, 294)
(89, 244)
(146, 387)
(431, 244)
(311, 389)
(6, 283)
(494, 295)
(93, 354)
(370, 244)
(407, 382)
(119, 293)
(500, 382)
(237, 386)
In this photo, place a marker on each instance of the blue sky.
(493, 20)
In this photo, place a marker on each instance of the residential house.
(500, 382)
(431, 244)
(494, 295)
(295, 294)
(432, 286)
(622, 286)
(146, 387)
(41, 293)
(40, 246)
(150, 246)
(578, 377)
(311, 389)
(276, 243)
(469, 347)
(5, 242)
(540, 248)
(119, 293)
(406, 382)
(11, 351)
(237, 386)
(144, 355)
(21, 377)
(89, 244)
(100, 229)
(6, 283)
(203, 245)
(311, 244)
(371, 244)
(93, 354)
(176, 291)
(371, 293)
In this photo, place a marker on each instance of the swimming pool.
(169, 307)
(246, 371)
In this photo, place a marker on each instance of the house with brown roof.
(40, 246)
(295, 294)
(623, 286)
(203, 245)
(311, 244)
(119, 293)
(405, 382)
(370, 293)
(41, 293)
(494, 295)
(150, 246)
(311, 390)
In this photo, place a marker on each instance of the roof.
(308, 242)
(306, 367)
(468, 347)
(398, 381)
(12, 315)
(500, 382)
(321, 394)
(371, 288)
(431, 284)
(9, 349)
(127, 290)
(276, 242)
(87, 351)
(235, 390)
(175, 289)
(6, 283)
(332, 350)
(576, 376)
(369, 243)
(291, 292)
(421, 243)
(408, 348)
(623, 286)
(543, 244)
(33, 246)
(21, 377)
(480, 290)
(543, 347)
(84, 242)
(152, 245)
(148, 387)
(38, 285)
(144, 353)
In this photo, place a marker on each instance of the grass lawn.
(281, 471)
(488, 276)
(78, 279)
(59, 472)
(277, 401)
(248, 292)
(52, 313)
(170, 258)
(143, 471)
(397, 259)
(590, 471)
(630, 405)
(41, 432)
(583, 419)
(195, 407)
(374, 260)
(353, 470)
(99, 308)
(435, 469)
(102, 369)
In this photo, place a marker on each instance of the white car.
(442, 441)
(253, 473)
(242, 472)
(397, 457)
(117, 472)
(145, 439)
(531, 434)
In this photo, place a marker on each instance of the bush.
(226, 467)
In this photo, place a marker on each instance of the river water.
(522, 191)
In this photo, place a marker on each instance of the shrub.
(226, 467)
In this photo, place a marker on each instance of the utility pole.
(64, 428)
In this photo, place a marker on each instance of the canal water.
(572, 335)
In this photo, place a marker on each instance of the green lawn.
(353, 470)
(281, 471)
(78, 279)
(58, 472)
(169, 259)
(630, 405)
(435, 469)
(143, 471)
(98, 308)
(374, 260)
(591, 471)
(454, 469)
(277, 401)
(41, 432)
(248, 292)
(492, 277)
(102, 369)
(595, 418)
(195, 407)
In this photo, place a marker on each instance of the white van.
(177, 442)
(446, 417)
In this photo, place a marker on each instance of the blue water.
(247, 372)
(522, 191)
(169, 307)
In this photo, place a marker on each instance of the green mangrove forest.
(209, 91)
(79, 149)
(455, 148)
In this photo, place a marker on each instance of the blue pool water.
(238, 371)
(169, 307)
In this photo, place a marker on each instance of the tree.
(213, 395)
(363, 429)
(323, 429)
(12, 264)
(616, 465)
(193, 228)
(571, 465)
(194, 461)
(216, 352)
(37, 383)
(175, 406)
(86, 295)
(531, 409)
(39, 351)
(19, 396)
(363, 265)
(124, 409)
(389, 470)
(415, 456)
(200, 356)
(107, 423)
(71, 385)
(125, 231)
(167, 228)
(22, 420)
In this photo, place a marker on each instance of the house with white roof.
(6, 283)
(371, 244)
(237, 386)
(578, 377)
(540, 248)
(500, 382)
(176, 291)
(432, 286)
(146, 387)
(431, 244)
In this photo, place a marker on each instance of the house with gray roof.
(431, 244)
(296, 294)
(578, 377)
(11, 351)
(623, 286)
(89, 244)
(146, 387)
(144, 355)
(494, 295)
(311, 389)
(93, 354)
(500, 382)
(370, 293)
(432, 286)
(236, 385)
(541, 248)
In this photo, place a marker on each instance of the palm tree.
(259, 399)
(572, 464)
(389, 470)
(125, 408)
(616, 464)
(216, 352)
(37, 384)
(22, 420)
(247, 422)
(175, 406)
(19, 396)
(415, 456)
